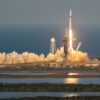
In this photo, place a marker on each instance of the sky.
(54, 14)
(49, 11)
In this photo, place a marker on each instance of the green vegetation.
(49, 87)
(56, 98)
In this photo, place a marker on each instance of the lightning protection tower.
(52, 46)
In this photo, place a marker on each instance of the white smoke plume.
(78, 56)
(72, 56)
(27, 57)
(15, 58)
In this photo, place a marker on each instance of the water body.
(45, 73)
(23, 73)
(52, 80)
(51, 94)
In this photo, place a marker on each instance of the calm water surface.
(46, 73)
(23, 73)
(52, 80)
(52, 94)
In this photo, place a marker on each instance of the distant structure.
(52, 45)
(78, 46)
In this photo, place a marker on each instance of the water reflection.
(71, 80)
(73, 73)
(84, 73)
(70, 95)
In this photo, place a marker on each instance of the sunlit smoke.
(78, 56)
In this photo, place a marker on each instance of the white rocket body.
(70, 35)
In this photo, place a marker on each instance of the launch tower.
(65, 44)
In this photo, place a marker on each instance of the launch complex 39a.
(72, 56)
(65, 56)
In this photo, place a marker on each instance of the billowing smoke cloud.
(58, 56)
(26, 57)
(72, 56)
(78, 56)
(15, 58)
